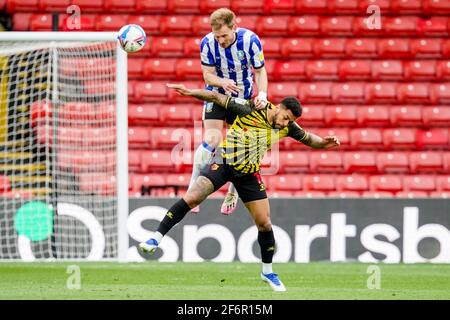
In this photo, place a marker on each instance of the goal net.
(58, 163)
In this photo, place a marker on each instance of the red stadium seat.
(41, 22)
(361, 48)
(330, 47)
(366, 138)
(297, 48)
(135, 67)
(166, 137)
(399, 138)
(348, 92)
(319, 182)
(412, 194)
(176, 25)
(443, 70)
(277, 91)
(150, 23)
(327, 161)
(157, 161)
(293, 161)
(364, 26)
(289, 70)
(426, 48)
(355, 69)
(440, 93)
(208, 6)
(175, 114)
(200, 25)
(54, 5)
(343, 194)
(342, 133)
(304, 25)
(247, 21)
(192, 47)
(89, 5)
(279, 7)
(284, 182)
(271, 47)
(173, 96)
(97, 183)
(377, 195)
(369, 116)
(180, 180)
(309, 194)
(5, 184)
(143, 113)
(394, 48)
(145, 6)
(413, 93)
(139, 137)
(150, 91)
(110, 22)
(24, 5)
(359, 162)
(420, 70)
(384, 5)
(312, 115)
(381, 92)
(119, 6)
(386, 183)
(134, 160)
(425, 183)
(279, 194)
(308, 6)
(406, 115)
(436, 116)
(435, 26)
(197, 111)
(182, 6)
(353, 182)
(318, 92)
(188, 69)
(443, 183)
(446, 48)
(322, 70)
(340, 116)
(387, 70)
(247, 6)
(425, 162)
(436, 6)
(147, 180)
(336, 26)
(439, 194)
(344, 6)
(401, 26)
(392, 162)
(406, 6)
(21, 21)
(272, 25)
(433, 139)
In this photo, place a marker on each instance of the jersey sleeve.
(256, 52)
(206, 56)
(297, 132)
(239, 106)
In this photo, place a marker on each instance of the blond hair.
(222, 17)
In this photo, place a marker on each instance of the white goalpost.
(63, 146)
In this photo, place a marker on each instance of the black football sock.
(175, 214)
(266, 242)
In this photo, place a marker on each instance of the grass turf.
(228, 281)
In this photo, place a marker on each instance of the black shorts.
(212, 111)
(250, 187)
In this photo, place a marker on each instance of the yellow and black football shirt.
(251, 135)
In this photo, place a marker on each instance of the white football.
(132, 37)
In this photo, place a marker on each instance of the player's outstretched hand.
(261, 101)
(230, 86)
(180, 88)
(330, 142)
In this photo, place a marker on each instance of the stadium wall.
(337, 230)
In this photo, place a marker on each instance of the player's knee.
(264, 226)
(213, 137)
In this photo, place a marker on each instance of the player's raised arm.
(312, 140)
(236, 105)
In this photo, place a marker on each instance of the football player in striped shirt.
(231, 57)
(237, 160)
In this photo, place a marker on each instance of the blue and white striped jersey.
(234, 62)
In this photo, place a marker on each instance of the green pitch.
(152, 280)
